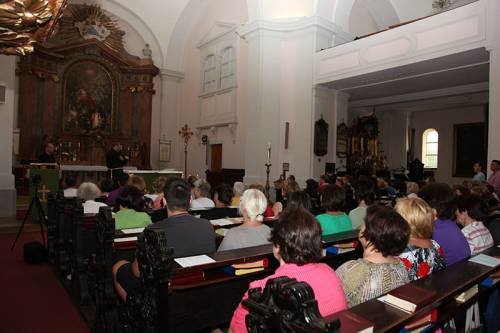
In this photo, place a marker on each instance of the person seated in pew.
(296, 239)
(89, 192)
(70, 188)
(107, 186)
(470, 214)
(334, 220)
(140, 184)
(222, 198)
(122, 181)
(186, 235)
(364, 193)
(252, 232)
(288, 188)
(131, 213)
(423, 255)
(446, 233)
(238, 189)
(201, 195)
(269, 209)
(158, 197)
(384, 235)
(300, 199)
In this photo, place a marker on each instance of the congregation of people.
(407, 230)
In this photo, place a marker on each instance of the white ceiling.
(461, 69)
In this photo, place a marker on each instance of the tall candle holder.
(186, 134)
(268, 168)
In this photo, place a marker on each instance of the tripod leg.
(22, 225)
(41, 218)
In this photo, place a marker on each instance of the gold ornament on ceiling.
(26, 22)
(87, 22)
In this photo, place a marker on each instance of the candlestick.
(269, 153)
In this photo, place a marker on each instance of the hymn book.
(350, 322)
(409, 297)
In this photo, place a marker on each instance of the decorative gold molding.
(26, 22)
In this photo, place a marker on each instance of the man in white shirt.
(70, 190)
(201, 194)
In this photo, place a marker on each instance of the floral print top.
(421, 262)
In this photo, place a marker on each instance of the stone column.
(169, 126)
(7, 111)
(280, 90)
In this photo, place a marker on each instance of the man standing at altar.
(115, 160)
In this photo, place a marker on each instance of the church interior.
(321, 142)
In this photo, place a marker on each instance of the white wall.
(7, 190)
(187, 104)
(443, 121)
(392, 127)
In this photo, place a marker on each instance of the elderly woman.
(89, 192)
(238, 189)
(422, 255)
(383, 236)
(131, 215)
(296, 239)
(252, 232)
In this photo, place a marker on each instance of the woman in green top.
(131, 203)
(334, 220)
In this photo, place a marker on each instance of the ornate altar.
(82, 90)
(363, 147)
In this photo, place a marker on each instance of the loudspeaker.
(330, 168)
(34, 253)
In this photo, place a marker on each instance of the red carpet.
(32, 300)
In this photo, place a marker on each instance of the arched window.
(209, 73)
(226, 68)
(430, 140)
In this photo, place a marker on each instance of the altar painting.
(88, 99)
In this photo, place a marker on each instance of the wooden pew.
(448, 284)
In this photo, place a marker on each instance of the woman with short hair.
(131, 215)
(89, 192)
(384, 236)
(252, 232)
(334, 220)
(296, 239)
(423, 255)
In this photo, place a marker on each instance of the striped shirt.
(478, 237)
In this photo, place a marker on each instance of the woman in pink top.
(297, 246)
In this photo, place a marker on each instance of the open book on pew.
(221, 222)
(247, 267)
(350, 322)
(409, 297)
(486, 260)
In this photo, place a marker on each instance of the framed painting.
(469, 147)
(165, 150)
(320, 137)
(89, 99)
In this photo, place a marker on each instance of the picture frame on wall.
(2, 93)
(165, 150)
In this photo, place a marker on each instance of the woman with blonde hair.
(252, 232)
(422, 255)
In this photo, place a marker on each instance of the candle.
(269, 153)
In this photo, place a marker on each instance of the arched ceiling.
(161, 20)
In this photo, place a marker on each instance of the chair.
(285, 305)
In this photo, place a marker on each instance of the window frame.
(425, 143)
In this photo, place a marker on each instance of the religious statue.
(146, 52)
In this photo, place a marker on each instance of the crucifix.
(43, 192)
(186, 134)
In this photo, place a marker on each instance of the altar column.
(7, 110)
